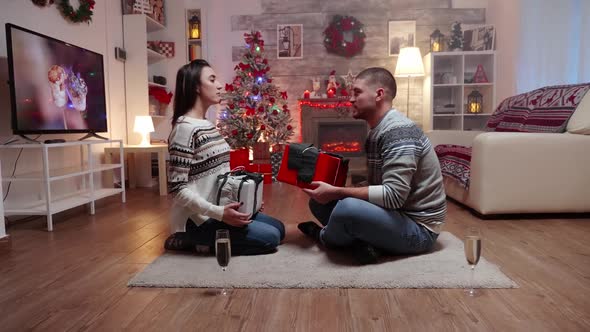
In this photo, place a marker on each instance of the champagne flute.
(222, 251)
(472, 253)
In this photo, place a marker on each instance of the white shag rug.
(305, 265)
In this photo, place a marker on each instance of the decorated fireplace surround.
(328, 125)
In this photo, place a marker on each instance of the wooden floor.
(75, 279)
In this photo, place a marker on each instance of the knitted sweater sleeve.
(400, 157)
(182, 157)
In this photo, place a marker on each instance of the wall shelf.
(446, 83)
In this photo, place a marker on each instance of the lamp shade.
(143, 124)
(409, 63)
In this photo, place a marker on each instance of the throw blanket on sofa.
(544, 110)
(454, 162)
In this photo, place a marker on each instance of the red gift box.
(329, 168)
(239, 157)
(267, 178)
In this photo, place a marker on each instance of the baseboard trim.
(5, 243)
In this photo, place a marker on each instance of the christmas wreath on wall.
(82, 14)
(344, 36)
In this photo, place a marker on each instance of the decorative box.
(329, 168)
(241, 187)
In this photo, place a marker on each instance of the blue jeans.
(261, 236)
(350, 220)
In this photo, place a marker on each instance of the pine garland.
(334, 39)
(82, 14)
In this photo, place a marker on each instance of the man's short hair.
(380, 77)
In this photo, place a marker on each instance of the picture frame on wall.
(401, 34)
(289, 41)
(479, 38)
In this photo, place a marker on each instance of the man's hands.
(323, 193)
(232, 217)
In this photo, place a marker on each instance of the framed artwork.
(401, 34)
(479, 38)
(289, 41)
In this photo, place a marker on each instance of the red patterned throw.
(544, 110)
(454, 162)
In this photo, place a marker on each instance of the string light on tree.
(256, 108)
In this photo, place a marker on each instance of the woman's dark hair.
(188, 80)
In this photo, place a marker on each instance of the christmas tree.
(256, 109)
(456, 42)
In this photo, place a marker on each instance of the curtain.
(554, 46)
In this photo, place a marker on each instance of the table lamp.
(409, 64)
(144, 126)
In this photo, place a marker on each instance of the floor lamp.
(409, 64)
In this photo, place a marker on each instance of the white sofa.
(512, 172)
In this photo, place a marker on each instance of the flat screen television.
(55, 87)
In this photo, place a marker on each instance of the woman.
(198, 153)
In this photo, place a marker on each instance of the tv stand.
(18, 138)
(93, 134)
(85, 176)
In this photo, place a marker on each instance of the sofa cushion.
(579, 123)
(454, 162)
(545, 110)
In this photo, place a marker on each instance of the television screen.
(55, 87)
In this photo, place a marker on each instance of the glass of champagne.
(222, 251)
(472, 253)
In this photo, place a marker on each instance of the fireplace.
(327, 124)
(345, 138)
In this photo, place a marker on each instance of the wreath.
(82, 14)
(344, 36)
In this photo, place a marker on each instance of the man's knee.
(348, 208)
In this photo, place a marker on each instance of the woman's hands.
(261, 207)
(232, 217)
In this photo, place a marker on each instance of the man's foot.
(310, 229)
(365, 253)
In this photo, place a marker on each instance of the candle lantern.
(475, 102)
(436, 41)
(194, 27)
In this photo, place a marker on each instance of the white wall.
(505, 16)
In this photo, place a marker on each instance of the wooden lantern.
(436, 41)
(194, 27)
(475, 102)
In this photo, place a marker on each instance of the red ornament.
(289, 127)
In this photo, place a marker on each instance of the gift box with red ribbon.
(239, 157)
(329, 168)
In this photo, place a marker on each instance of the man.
(402, 211)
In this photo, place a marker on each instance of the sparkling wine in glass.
(472, 253)
(222, 251)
